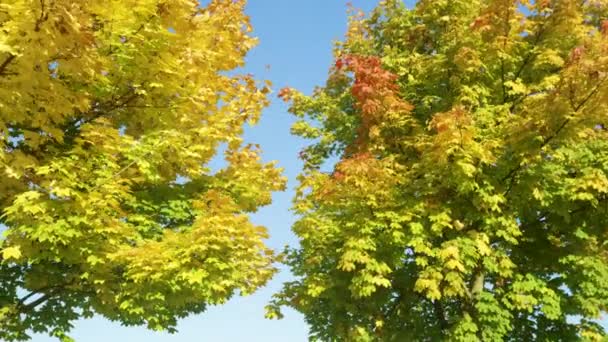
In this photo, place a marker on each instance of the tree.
(110, 113)
(469, 201)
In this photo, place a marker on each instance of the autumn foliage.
(468, 202)
(110, 114)
(455, 187)
(374, 90)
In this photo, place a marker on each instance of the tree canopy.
(110, 113)
(469, 199)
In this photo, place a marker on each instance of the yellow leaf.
(11, 252)
(6, 48)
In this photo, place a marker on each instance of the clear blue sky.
(296, 39)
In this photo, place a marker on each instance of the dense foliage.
(469, 201)
(110, 112)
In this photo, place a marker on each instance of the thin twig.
(6, 62)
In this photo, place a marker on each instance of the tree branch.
(32, 305)
(530, 55)
(28, 296)
(557, 131)
(43, 16)
(46, 293)
(590, 95)
(6, 62)
(561, 127)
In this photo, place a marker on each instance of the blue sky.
(296, 39)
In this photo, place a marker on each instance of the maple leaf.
(11, 253)
(467, 199)
(111, 113)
